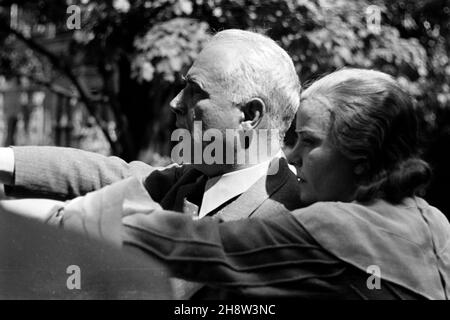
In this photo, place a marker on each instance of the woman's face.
(324, 174)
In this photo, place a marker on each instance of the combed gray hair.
(262, 70)
(373, 123)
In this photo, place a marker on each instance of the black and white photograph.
(241, 152)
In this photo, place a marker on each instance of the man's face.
(203, 98)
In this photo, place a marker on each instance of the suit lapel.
(248, 202)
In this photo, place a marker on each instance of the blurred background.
(98, 75)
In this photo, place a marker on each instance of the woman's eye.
(307, 141)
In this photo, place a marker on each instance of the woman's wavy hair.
(374, 124)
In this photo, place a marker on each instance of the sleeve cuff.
(7, 162)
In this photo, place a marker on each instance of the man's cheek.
(211, 116)
(199, 114)
(213, 120)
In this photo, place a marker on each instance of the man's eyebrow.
(189, 79)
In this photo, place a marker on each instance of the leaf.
(147, 71)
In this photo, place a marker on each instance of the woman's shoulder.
(334, 211)
(438, 223)
(328, 218)
(394, 237)
(377, 211)
(412, 224)
(410, 219)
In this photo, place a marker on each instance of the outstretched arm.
(38, 209)
(257, 257)
(61, 173)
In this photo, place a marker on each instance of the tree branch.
(65, 69)
(49, 85)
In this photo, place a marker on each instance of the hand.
(7, 166)
(38, 209)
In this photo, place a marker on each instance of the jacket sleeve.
(99, 214)
(256, 257)
(65, 173)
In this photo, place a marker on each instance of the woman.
(366, 234)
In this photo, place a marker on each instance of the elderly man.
(241, 81)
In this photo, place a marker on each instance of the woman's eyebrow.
(316, 134)
(305, 131)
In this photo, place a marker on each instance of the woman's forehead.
(313, 117)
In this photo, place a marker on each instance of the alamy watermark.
(73, 21)
(374, 280)
(373, 19)
(227, 146)
(73, 281)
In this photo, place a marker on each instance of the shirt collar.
(223, 188)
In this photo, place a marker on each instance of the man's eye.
(183, 83)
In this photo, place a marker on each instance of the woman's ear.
(253, 111)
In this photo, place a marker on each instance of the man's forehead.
(218, 55)
(213, 65)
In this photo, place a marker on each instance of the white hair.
(262, 70)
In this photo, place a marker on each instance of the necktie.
(190, 194)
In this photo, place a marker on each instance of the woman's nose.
(297, 162)
(295, 157)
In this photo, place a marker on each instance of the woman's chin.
(307, 199)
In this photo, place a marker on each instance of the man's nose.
(174, 101)
(175, 104)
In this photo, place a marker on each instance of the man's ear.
(253, 112)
